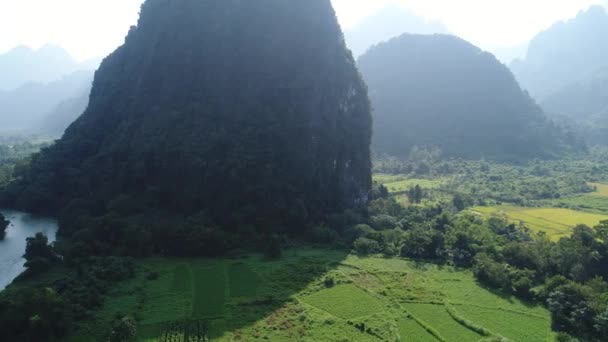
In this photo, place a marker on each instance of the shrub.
(384, 222)
(366, 246)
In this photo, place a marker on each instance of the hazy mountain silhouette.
(585, 99)
(510, 53)
(23, 65)
(564, 53)
(23, 110)
(62, 115)
(439, 90)
(388, 23)
(252, 111)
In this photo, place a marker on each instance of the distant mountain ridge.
(564, 53)
(33, 84)
(441, 91)
(23, 65)
(29, 107)
(585, 99)
(389, 22)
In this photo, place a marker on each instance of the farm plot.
(400, 186)
(243, 281)
(209, 291)
(437, 318)
(345, 301)
(411, 331)
(372, 299)
(556, 222)
(516, 326)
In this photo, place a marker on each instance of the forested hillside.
(242, 115)
(441, 91)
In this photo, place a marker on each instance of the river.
(22, 226)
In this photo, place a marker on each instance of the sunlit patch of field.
(602, 190)
(555, 222)
(594, 202)
(522, 326)
(345, 301)
(437, 317)
(401, 183)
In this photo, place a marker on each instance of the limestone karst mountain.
(250, 111)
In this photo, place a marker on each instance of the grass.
(410, 330)
(400, 183)
(437, 317)
(595, 202)
(243, 281)
(345, 301)
(602, 190)
(210, 291)
(513, 325)
(556, 222)
(253, 299)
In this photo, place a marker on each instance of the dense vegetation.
(532, 183)
(213, 153)
(442, 91)
(569, 275)
(3, 225)
(15, 154)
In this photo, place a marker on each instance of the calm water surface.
(23, 225)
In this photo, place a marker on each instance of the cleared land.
(602, 190)
(556, 222)
(372, 299)
(400, 183)
(594, 202)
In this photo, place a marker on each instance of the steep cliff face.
(439, 90)
(252, 111)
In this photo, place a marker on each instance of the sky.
(93, 28)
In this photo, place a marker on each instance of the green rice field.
(368, 299)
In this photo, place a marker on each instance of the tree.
(570, 310)
(601, 323)
(274, 250)
(39, 255)
(3, 225)
(459, 202)
(415, 194)
(124, 330)
(365, 246)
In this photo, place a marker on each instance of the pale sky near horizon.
(93, 28)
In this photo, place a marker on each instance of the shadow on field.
(278, 282)
(232, 295)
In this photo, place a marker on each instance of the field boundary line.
(428, 328)
(456, 316)
(502, 309)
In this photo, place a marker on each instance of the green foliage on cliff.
(251, 114)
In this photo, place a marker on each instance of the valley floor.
(314, 295)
